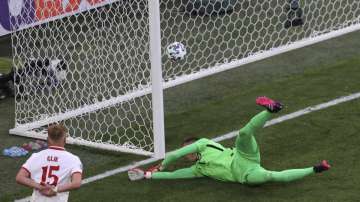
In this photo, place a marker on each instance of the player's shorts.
(243, 164)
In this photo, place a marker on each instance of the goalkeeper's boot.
(271, 105)
(323, 166)
(136, 174)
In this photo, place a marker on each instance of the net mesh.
(103, 53)
(81, 61)
(220, 31)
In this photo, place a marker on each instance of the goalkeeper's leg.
(261, 175)
(245, 141)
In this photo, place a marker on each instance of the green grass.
(5, 46)
(5, 64)
(329, 134)
(224, 102)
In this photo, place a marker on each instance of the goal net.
(94, 70)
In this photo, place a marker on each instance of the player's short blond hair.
(56, 132)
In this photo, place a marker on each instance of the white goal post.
(102, 71)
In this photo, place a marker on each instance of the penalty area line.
(229, 135)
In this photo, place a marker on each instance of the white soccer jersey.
(53, 166)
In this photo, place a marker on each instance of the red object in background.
(49, 8)
(46, 9)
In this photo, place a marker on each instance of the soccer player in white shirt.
(53, 172)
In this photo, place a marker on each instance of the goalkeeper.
(240, 164)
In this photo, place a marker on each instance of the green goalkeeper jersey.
(215, 161)
(240, 164)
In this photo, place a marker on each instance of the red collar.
(56, 148)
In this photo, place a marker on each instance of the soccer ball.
(176, 51)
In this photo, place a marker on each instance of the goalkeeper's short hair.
(190, 140)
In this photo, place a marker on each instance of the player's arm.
(76, 177)
(23, 178)
(74, 184)
(175, 155)
(184, 173)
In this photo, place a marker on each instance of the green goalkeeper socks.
(261, 175)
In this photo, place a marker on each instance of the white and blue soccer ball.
(176, 51)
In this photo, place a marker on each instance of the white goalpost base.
(69, 140)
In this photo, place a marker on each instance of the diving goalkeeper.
(240, 164)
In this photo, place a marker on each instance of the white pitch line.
(222, 137)
(118, 170)
(296, 114)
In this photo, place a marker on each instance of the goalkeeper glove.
(136, 174)
(139, 174)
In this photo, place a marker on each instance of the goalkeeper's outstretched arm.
(175, 155)
(190, 150)
(184, 173)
